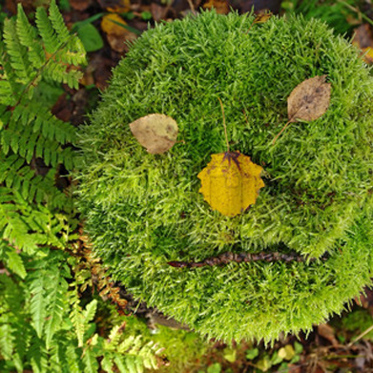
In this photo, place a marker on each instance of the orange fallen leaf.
(116, 6)
(156, 132)
(221, 6)
(117, 34)
(230, 182)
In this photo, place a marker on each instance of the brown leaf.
(363, 39)
(156, 132)
(327, 332)
(309, 100)
(80, 5)
(230, 182)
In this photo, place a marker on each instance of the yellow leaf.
(287, 352)
(230, 182)
(109, 24)
(117, 35)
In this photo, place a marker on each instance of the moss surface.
(143, 210)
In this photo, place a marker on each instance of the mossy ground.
(143, 210)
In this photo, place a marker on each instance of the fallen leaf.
(363, 39)
(80, 5)
(262, 17)
(327, 332)
(221, 6)
(230, 182)
(114, 27)
(309, 100)
(287, 352)
(115, 6)
(158, 11)
(156, 132)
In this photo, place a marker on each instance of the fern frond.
(38, 286)
(76, 316)
(12, 259)
(56, 309)
(42, 120)
(46, 31)
(90, 361)
(28, 37)
(17, 53)
(37, 355)
(58, 23)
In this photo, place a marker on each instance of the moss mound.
(144, 210)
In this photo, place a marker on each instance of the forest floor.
(345, 344)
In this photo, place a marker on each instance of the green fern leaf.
(90, 311)
(17, 53)
(90, 361)
(77, 318)
(28, 37)
(13, 260)
(56, 308)
(37, 356)
(58, 23)
(38, 302)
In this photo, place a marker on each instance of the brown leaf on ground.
(221, 6)
(117, 35)
(327, 332)
(158, 11)
(80, 5)
(309, 100)
(363, 39)
(115, 6)
(230, 183)
(156, 132)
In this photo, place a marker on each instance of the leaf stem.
(225, 127)
(278, 135)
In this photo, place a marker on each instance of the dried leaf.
(156, 132)
(230, 182)
(221, 6)
(363, 39)
(80, 5)
(309, 100)
(262, 17)
(327, 332)
(116, 6)
(117, 34)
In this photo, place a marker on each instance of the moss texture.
(144, 210)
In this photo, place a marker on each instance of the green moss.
(144, 210)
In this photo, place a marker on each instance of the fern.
(44, 327)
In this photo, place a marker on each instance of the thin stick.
(360, 336)
(278, 135)
(191, 5)
(225, 127)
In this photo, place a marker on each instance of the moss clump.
(144, 210)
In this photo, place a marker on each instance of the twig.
(360, 336)
(225, 127)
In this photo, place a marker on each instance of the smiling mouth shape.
(240, 257)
